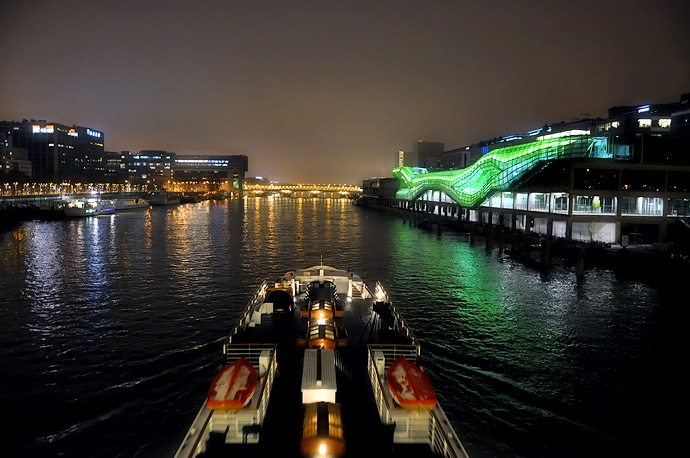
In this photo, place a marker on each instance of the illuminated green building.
(624, 179)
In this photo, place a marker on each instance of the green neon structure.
(493, 172)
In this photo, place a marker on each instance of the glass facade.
(646, 206)
(678, 206)
(495, 171)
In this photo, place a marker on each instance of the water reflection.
(550, 344)
(121, 318)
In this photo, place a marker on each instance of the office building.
(57, 151)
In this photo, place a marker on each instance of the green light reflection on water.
(496, 309)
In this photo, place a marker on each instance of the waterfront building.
(113, 170)
(56, 151)
(458, 158)
(423, 151)
(50, 152)
(159, 169)
(212, 168)
(14, 161)
(380, 191)
(148, 167)
(623, 179)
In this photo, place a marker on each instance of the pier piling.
(580, 261)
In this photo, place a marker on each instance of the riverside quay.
(620, 180)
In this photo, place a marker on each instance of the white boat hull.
(89, 208)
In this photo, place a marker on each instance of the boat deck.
(272, 424)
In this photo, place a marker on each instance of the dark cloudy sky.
(328, 91)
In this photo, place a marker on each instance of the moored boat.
(163, 197)
(321, 387)
(89, 207)
(130, 203)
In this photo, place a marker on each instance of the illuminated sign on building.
(48, 129)
(73, 133)
(93, 133)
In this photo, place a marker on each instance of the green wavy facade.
(493, 172)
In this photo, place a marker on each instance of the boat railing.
(380, 357)
(444, 439)
(432, 427)
(194, 441)
(247, 315)
(380, 295)
(253, 352)
(393, 351)
(233, 425)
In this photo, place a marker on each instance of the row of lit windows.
(322, 332)
(334, 421)
(604, 205)
(608, 125)
(212, 162)
(663, 123)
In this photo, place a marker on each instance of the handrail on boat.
(380, 295)
(245, 317)
(441, 436)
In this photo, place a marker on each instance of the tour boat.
(321, 385)
(130, 203)
(233, 387)
(164, 197)
(89, 207)
(409, 385)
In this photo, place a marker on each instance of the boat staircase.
(357, 291)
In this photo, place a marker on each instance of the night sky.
(328, 91)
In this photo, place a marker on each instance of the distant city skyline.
(81, 150)
(330, 91)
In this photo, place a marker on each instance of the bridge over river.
(302, 190)
(48, 199)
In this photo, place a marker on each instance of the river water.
(111, 329)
